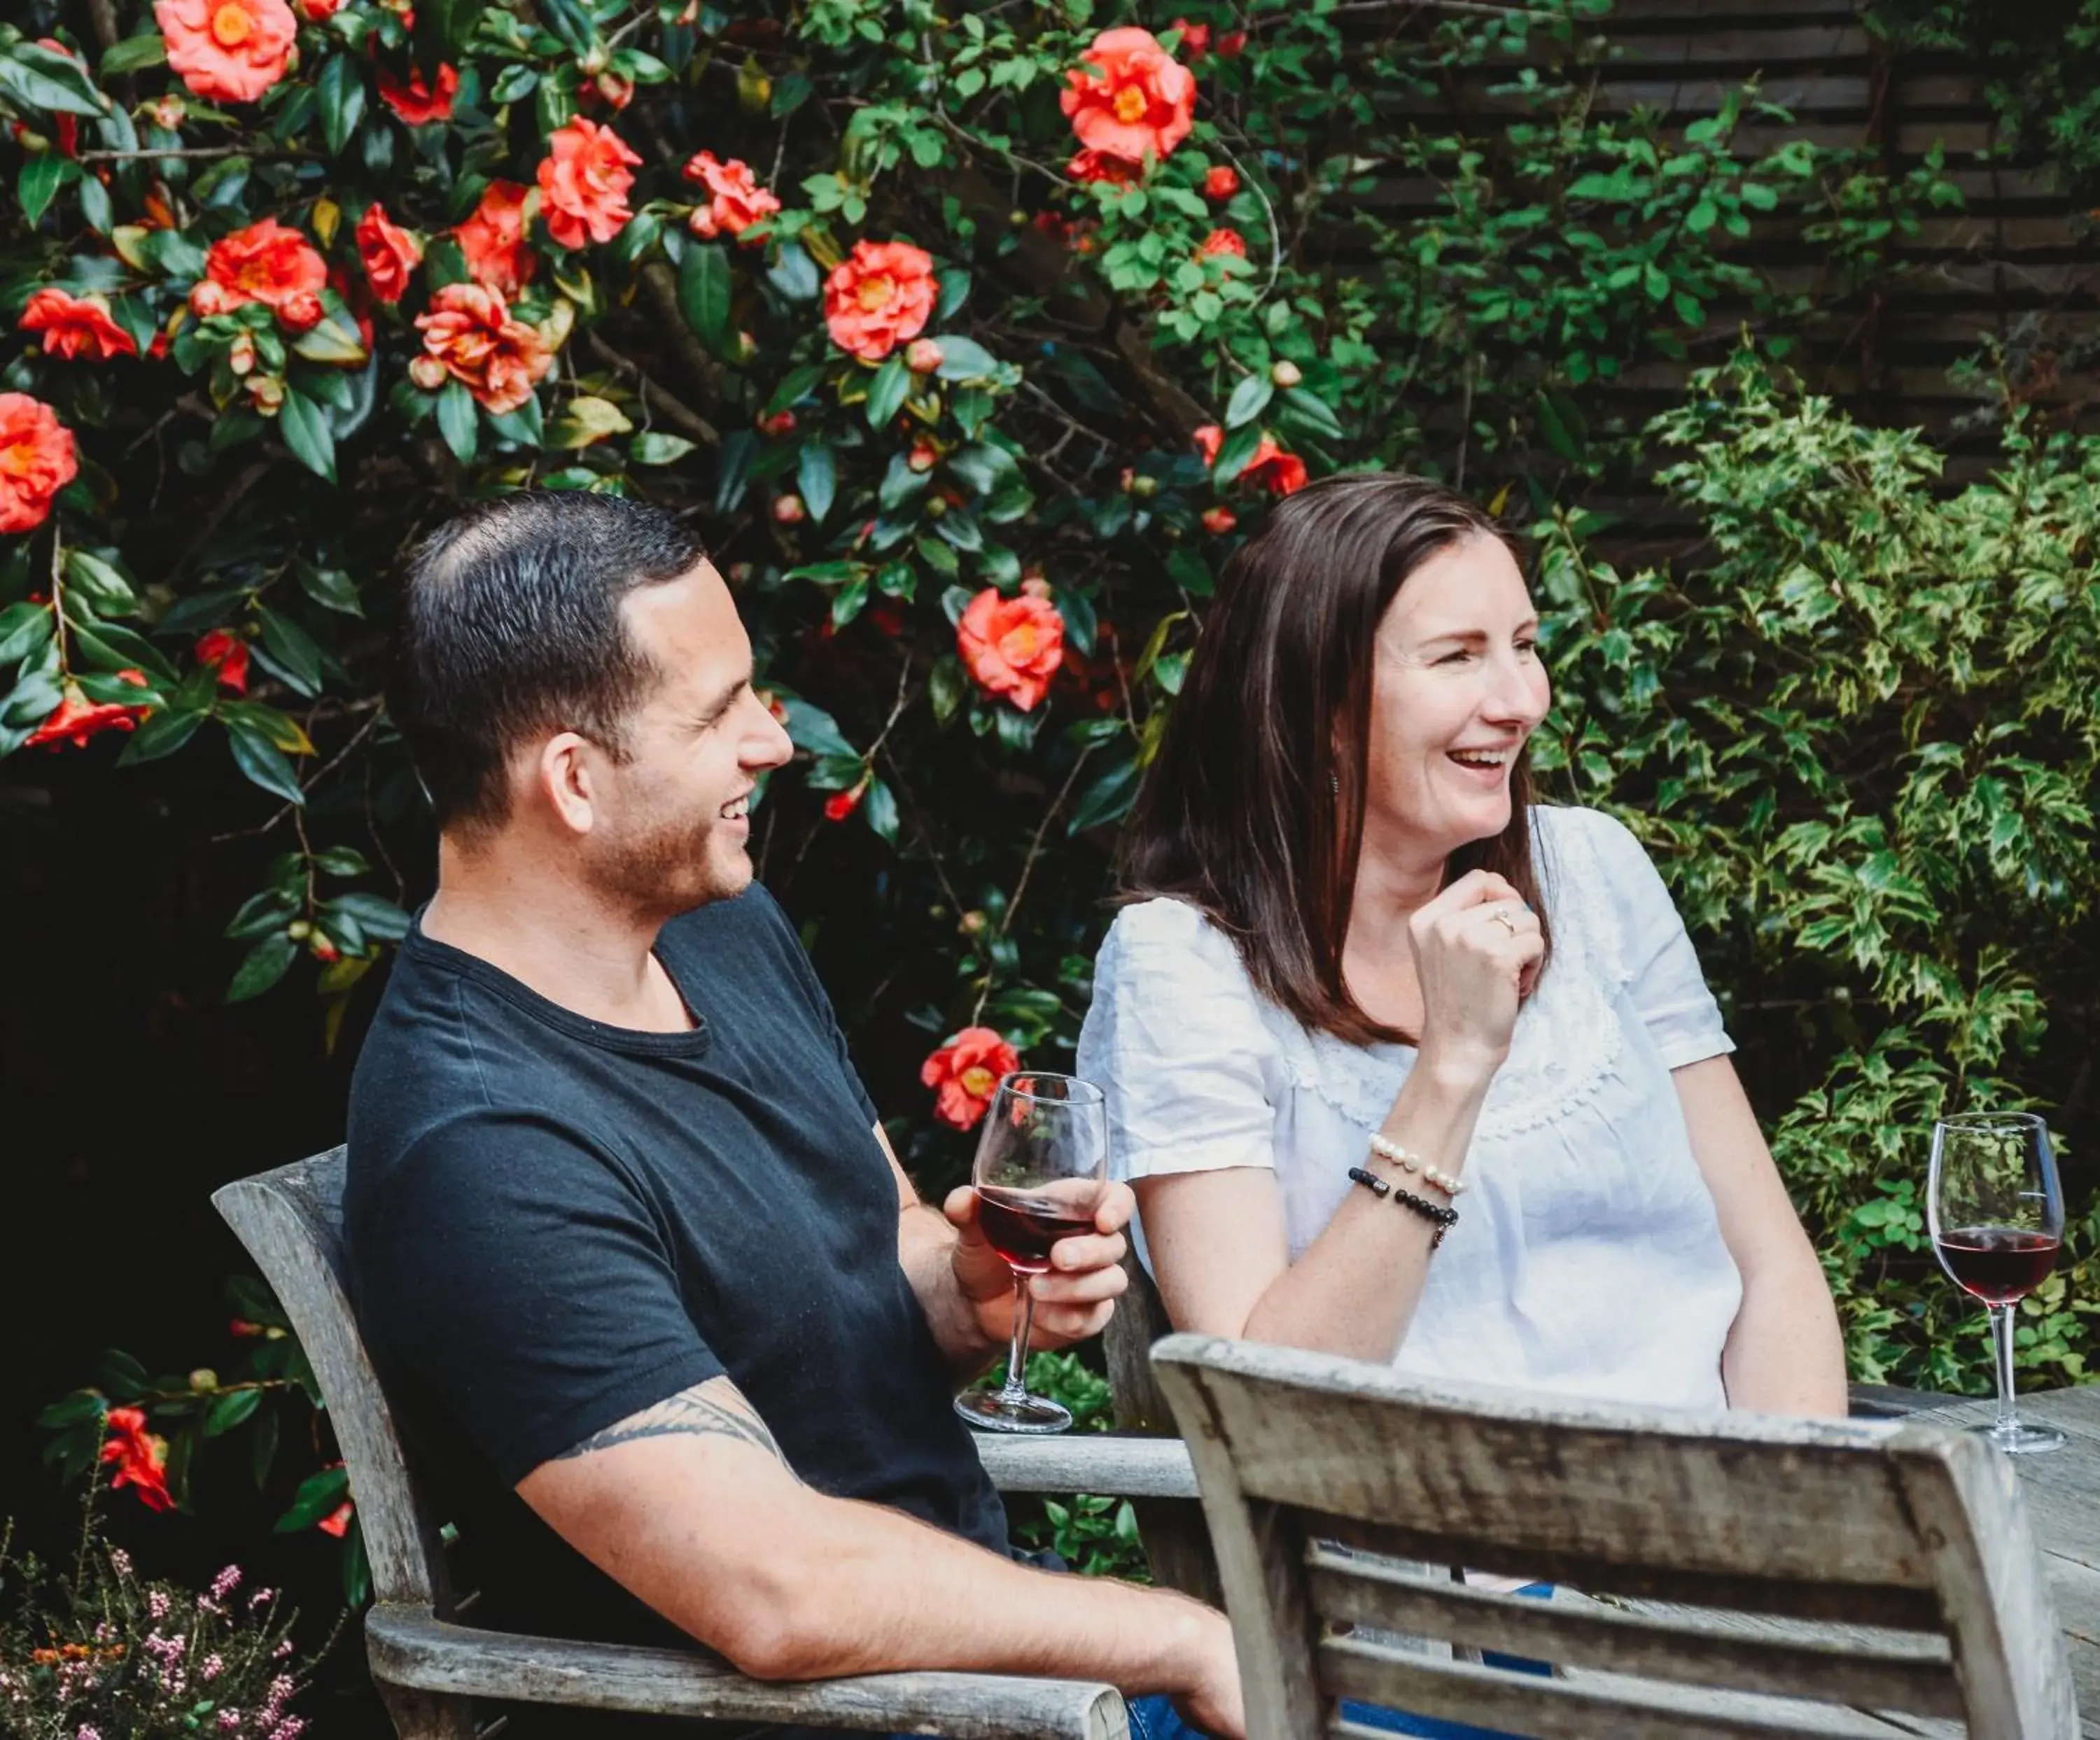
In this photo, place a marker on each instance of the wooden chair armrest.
(408, 1647)
(1090, 1462)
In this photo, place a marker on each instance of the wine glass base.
(2021, 1440)
(991, 1411)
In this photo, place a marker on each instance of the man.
(656, 1301)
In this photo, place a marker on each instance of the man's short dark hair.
(511, 627)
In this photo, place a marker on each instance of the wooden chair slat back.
(1911, 1527)
(290, 1220)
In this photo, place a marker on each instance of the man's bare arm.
(688, 1504)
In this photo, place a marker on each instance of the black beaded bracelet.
(1444, 1219)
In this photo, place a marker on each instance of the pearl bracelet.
(1386, 1149)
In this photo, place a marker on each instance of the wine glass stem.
(2001, 1340)
(1016, 1355)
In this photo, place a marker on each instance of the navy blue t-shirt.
(553, 1223)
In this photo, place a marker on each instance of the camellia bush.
(973, 340)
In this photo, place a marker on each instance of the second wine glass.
(1042, 1169)
(1995, 1210)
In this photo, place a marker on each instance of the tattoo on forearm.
(688, 1414)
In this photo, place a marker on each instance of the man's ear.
(562, 779)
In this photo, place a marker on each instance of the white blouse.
(1588, 1259)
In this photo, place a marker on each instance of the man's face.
(673, 822)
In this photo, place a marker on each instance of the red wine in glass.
(1994, 1206)
(1997, 1264)
(1024, 1228)
(1041, 1169)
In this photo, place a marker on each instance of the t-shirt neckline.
(427, 950)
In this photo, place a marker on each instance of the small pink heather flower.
(88, 1733)
(211, 1667)
(226, 1582)
(120, 1562)
(156, 1605)
(229, 1719)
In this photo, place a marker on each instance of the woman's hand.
(1476, 946)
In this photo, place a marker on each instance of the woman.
(1401, 1066)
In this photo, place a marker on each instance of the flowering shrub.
(973, 342)
(102, 1654)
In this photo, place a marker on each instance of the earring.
(1335, 783)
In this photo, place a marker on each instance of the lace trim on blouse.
(1568, 1036)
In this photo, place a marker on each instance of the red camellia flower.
(414, 102)
(1012, 646)
(390, 253)
(1232, 44)
(494, 240)
(336, 1522)
(1221, 182)
(76, 719)
(965, 1072)
(1195, 39)
(1091, 165)
(583, 183)
(316, 11)
(36, 461)
(1129, 97)
(841, 804)
(140, 1457)
(74, 325)
(267, 263)
(1219, 521)
(735, 201)
(469, 330)
(1283, 472)
(879, 296)
(228, 50)
(1223, 241)
(227, 654)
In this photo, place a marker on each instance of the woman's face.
(1456, 689)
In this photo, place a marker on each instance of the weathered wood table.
(2063, 1492)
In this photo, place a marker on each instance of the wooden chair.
(1717, 1551)
(429, 1667)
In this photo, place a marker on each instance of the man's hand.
(1073, 1301)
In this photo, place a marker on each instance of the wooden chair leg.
(427, 1715)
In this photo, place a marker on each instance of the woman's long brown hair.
(1253, 809)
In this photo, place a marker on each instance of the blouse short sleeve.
(1175, 1040)
(1660, 967)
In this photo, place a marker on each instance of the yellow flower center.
(231, 24)
(1129, 104)
(977, 1082)
(1019, 644)
(875, 292)
(18, 459)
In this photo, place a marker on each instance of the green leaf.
(222, 1413)
(70, 1410)
(887, 392)
(43, 79)
(817, 474)
(341, 91)
(375, 914)
(1315, 411)
(654, 447)
(264, 763)
(812, 728)
(133, 54)
(1250, 399)
(332, 589)
(878, 806)
(262, 967)
(289, 650)
(162, 734)
(41, 177)
(704, 293)
(105, 586)
(459, 420)
(118, 1375)
(1237, 449)
(24, 628)
(964, 359)
(319, 1494)
(305, 427)
(1108, 798)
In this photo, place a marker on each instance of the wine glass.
(1995, 1209)
(1041, 1170)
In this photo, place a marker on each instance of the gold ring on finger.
(1503, 918)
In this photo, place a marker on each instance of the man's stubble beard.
(670, 869)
